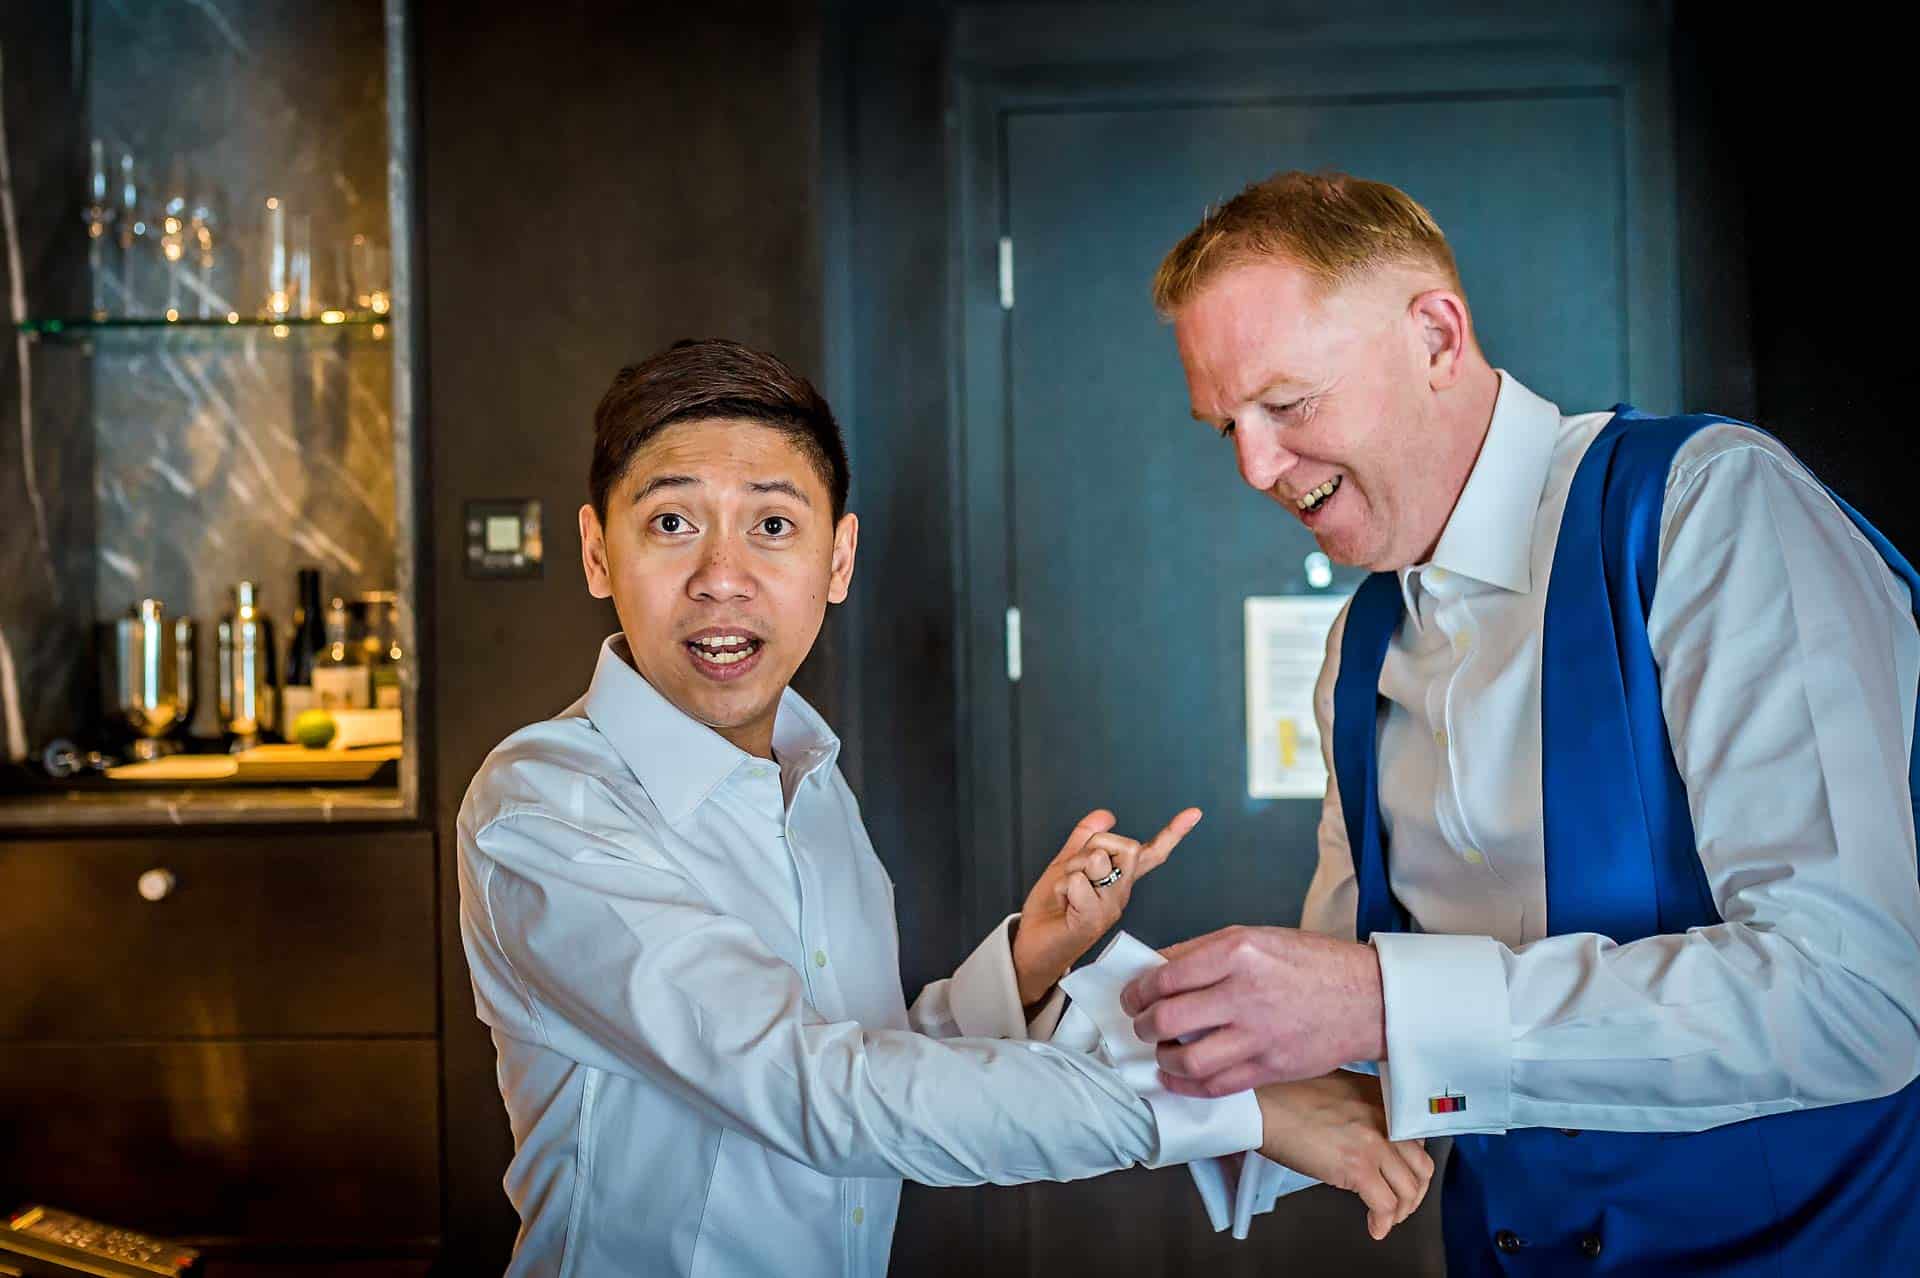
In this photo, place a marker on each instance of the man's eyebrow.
(1273, 381)
(658, 482)
(781, 486)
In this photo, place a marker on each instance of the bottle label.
(295, 700)
(341, 688)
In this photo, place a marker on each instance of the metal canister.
(147, 676)
(249, 682)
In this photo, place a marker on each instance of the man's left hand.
(1258, 1005)
(1065, 913)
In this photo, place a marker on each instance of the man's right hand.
(1334, 1129)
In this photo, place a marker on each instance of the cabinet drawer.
(281, 936)
(326, 1142)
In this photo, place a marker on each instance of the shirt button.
(1436, 575)
(859, 1215)
(1508, 1241)
(819, 958)
(1472, 857)
(1462, 642)
(1440, 739)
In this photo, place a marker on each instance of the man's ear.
(846, 540)
(1445, 327)
(593, 554)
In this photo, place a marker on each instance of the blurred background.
(310, 303)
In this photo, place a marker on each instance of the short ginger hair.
(1335, 226)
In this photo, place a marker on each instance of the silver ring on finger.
(1113, 877)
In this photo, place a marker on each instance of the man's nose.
(1263, 459)
(721, 574)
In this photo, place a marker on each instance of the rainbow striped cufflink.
(1449, 1103)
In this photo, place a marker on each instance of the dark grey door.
(1130, 541)
(1134, 541)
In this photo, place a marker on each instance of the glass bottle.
(309, 639)
(248, 686)
(382, 645)
(340, 676)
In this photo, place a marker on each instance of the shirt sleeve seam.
(1688, 476)
(493, 925)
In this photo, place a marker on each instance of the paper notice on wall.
(1286, 642)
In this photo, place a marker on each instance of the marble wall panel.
(172, 465)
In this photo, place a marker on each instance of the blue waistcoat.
(1834, 1190)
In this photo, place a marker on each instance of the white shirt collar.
(677, 759)
(1489, 536)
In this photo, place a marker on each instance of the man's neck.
(1466, 418)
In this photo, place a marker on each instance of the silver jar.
(147, 676)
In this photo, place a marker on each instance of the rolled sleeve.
(1449, 1065)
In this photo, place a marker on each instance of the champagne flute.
(98, 214)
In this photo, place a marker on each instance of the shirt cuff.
(1187, 1127)
(985, 995)
(1449, 1066)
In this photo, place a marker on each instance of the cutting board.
(286, 764)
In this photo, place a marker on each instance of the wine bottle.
(340, 675)
(309, 637)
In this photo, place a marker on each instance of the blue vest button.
(1569, 1131)
(1508, 1241)
(1590, 1246)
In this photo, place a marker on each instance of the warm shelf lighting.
(233, 317)
(281, 330)
(173, 316)
(333, 317)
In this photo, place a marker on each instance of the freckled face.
(1324, 398)
(721, 554)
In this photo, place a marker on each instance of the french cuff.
(1186, 1127)
(1449, 1066)
(985, 995)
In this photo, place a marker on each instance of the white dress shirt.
(1789, 659)
(688, 960)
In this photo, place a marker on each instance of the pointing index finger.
(1161, 846)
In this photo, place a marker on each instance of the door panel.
(1134, 538)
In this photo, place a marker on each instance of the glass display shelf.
(355, 326)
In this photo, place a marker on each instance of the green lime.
(314, 728)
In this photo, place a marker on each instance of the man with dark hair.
(684, 943)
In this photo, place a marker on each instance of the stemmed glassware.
(183, 222)
(98, 214)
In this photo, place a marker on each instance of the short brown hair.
(1335, 226)
(712, 377)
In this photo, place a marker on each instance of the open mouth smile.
(1313, 502)
(721, 654)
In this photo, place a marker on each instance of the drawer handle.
(157, 884)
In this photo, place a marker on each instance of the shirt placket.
(817, 972)
(1454, 619)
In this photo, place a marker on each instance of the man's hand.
(1258, 1005)
(1334, 1129)
(1065, 913)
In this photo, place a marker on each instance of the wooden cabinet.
(260, 934)
(249, 1063)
